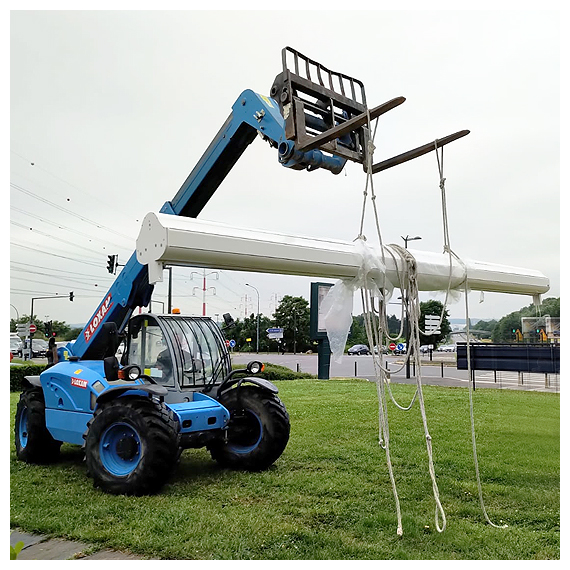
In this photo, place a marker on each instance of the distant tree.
(484, 325)
(247, 328)
(433, 307)
(357, 333)
(293, 316)
(72, 334)
(503, 331)
(394, 325)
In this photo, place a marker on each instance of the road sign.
(431, 324)
(275, 333)
(392, 346)
(33, 328)
(227, 343)
(232, 343)
(400, 346)
(23, 329)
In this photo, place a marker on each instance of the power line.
(37, 250)
(18, 224)
(70, 212)
(60, 277)
(59, 270)
(60, 226)
(49, 284)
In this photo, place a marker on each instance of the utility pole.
(204, 288)
(257, 345)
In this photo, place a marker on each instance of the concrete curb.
(38, 547)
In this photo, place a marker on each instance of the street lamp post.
(32, 313)
(408, 238)
(257, 345)
(407, 328)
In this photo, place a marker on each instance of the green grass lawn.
(329, 495)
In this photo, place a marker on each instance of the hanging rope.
(376, 326)
(452, 254)
(472, 417)
(376, 329)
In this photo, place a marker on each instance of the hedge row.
(17, 374)
(276, 372)
(272, 372)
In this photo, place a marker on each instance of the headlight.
(255, 367)
(130, 373)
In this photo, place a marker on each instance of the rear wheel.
(258, 429)
(131, 446)
(34, 443)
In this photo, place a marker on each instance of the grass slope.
(329, 495)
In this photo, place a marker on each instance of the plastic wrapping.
(338, 304)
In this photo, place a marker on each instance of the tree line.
(293, 316)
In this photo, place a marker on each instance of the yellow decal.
(267, 100)
(147, 371)
(78, 371)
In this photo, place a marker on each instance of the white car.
(446, 348)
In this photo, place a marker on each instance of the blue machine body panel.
(71, 389)
(203, 413)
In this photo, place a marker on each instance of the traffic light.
(71, 295)
(47, 328)
(112, 263)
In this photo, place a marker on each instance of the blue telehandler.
(173, 386)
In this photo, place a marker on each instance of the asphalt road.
(441, 371)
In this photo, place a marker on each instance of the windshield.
(172, 348)
(203, 359)
(149, 349)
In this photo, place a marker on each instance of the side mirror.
(255, 367)
(228, 320)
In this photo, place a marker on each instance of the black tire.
(258, 430)
(34, 443)
(131, 446)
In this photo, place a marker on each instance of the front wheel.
(34, 443)
(131, 446)
(258, 430)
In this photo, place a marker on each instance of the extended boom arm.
(315, 118)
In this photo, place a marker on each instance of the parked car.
(39, 347)
(16, 346)
(446, 348)
(358, 349)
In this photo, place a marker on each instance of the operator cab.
(178, 352)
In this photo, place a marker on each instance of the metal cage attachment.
(327, 110)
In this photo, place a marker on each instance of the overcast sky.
(110, 111)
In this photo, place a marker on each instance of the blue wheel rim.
(120, 449)
(249, 434)
(23, 428)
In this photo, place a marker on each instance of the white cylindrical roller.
(176, 240)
